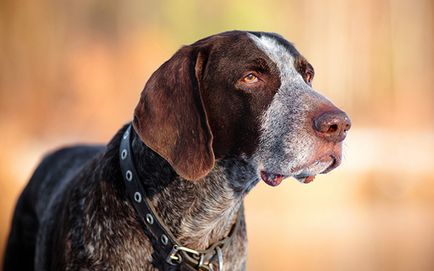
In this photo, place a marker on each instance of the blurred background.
(72, 71)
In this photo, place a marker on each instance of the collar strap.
(162, 239)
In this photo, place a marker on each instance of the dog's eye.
(250, 78)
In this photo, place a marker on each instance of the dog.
(217, 117)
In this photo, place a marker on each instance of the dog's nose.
(332, 126)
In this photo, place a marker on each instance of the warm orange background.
(72, 71)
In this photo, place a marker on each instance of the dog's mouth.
(272, 179)
(304, 174)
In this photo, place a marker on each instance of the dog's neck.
(201, 212)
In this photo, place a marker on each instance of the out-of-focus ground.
(72, 71)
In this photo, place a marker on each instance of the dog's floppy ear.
(170, 117)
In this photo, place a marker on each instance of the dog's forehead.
(280, 51)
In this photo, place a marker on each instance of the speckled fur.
(74, 214)
(287, 143)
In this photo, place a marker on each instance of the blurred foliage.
(72, 71)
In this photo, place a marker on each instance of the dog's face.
(246, 95)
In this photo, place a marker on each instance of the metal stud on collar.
(149, 219)
(164, 239)
(126, 134)
(129, 175)
(124, 154)
(138, 197)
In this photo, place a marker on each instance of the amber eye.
(250, 78)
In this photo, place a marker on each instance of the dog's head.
(241, 94)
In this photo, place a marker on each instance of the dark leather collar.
(164, 243)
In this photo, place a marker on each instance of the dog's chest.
(121, 244)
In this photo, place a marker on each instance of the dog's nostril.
(333, 128)
(332, 125)
(347, 124)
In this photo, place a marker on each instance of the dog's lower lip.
(309, 179)
(305, 178)
(272, 179)
(332, 166)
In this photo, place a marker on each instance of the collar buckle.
(175, 257)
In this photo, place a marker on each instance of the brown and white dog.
(213, 120)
